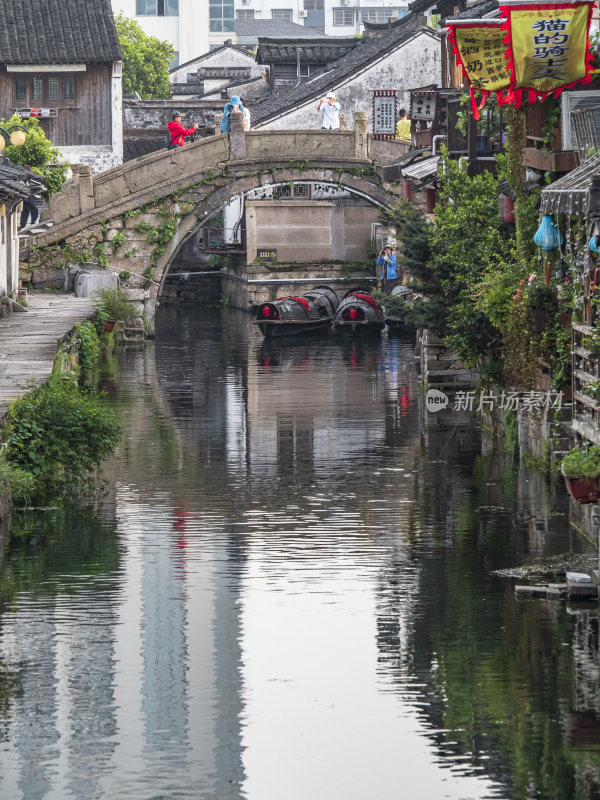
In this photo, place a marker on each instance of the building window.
(69, 88)
(53, 89)
(44, 90)
(314, 5)
(20, 89)
(220, 15)
(343, 17)
(37, 90)
(157, 8)
(245, 13)
(380, 14)
(282, 13)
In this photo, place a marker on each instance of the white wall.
(188, 32)
(415, 63)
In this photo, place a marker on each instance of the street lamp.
(15, 134)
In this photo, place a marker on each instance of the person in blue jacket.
(235, 104)
(388, 275)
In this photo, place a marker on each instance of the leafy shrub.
(60, 434)
(89, 345)
(39, 152)
(14, 481)
(582, 462)
(113, 304)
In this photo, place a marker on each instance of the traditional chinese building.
(64, 66)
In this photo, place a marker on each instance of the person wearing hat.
(389, 273)
(177, 131)
(235, 104)
(331, 112)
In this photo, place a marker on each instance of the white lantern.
(17, 138)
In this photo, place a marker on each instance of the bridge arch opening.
(320, 224)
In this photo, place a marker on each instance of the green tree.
(146, 60)
(38, 152)
(467, 237)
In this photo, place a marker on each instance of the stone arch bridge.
(133, 219)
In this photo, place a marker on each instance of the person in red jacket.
(178, 132)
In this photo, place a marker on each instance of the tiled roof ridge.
(224, 46)
(476, 11)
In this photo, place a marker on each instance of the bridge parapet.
(133, 219)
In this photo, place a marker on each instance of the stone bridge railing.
(89, 199)
(133, 219)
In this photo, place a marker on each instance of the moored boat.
(287, 316)
(358, 314)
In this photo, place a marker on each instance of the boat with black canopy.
(286, 316)
(358, 314)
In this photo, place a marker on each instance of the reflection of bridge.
(139, 214)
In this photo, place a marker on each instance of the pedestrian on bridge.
(178, 132)
(331, 112)
(389, 274)
(234, 105)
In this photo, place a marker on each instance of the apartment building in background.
(196, 26)
(332, 17)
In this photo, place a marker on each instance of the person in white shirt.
(246, 113)
(331, 112)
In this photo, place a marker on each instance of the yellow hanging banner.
(548, 46)
(480, 50)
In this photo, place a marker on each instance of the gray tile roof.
(280, 28)
(368, 50)
(17, 183)
(57, 32)
(478, 11)
(319, 51)
(571, 193)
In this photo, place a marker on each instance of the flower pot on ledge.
(109, 325)
(583, 489)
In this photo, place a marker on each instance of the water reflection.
(288, 591)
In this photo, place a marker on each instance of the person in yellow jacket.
(403, 127)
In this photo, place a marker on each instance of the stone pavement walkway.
(28, 341)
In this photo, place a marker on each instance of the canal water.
(289, 590)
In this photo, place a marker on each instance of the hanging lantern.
(17, 138)
(547, 236)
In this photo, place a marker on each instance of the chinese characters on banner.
(384, 113)
(537, 49)
(480, 50)
(548, 46)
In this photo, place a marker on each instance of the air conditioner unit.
(575, 101)
(302, 13)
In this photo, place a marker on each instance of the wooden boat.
(393, 320)
(286, 316)
(358, 314)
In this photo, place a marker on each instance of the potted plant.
(112, 306)
(542, 301)
(581, 471)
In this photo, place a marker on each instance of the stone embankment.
(29, 342)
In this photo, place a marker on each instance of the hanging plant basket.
(583, 489)
(109, 325)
